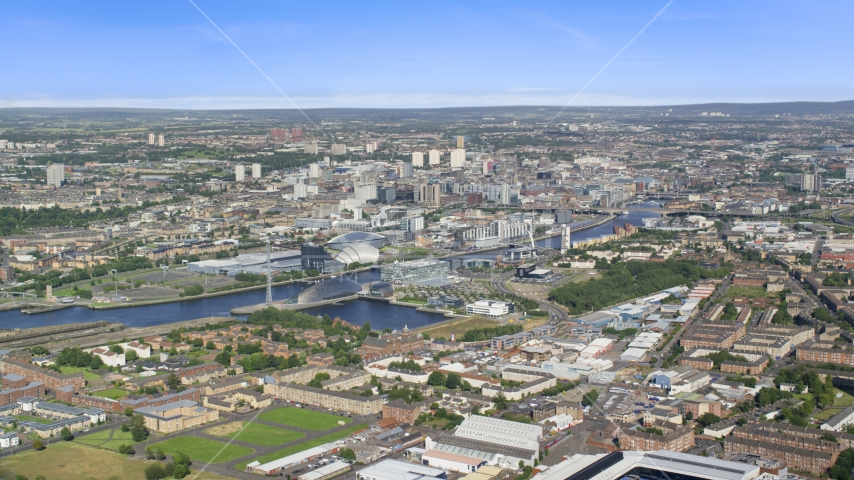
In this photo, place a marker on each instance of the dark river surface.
(380, 314)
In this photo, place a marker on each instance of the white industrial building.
(489, 308)
(657, 464)
(488, 441)
(397, 470)
(285, 260)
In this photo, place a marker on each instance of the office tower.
(256, 170)
(56, 174)
(386, 194)
(430, 194)
(487, 167)
(565, 243)
(407, 171)
(310, 148)
(314, 170)
(339, 149)
(357, 213)
(279, 135)
(369, 147)
(151, 138)
(296, 134)
(366, 191)
(458, 157)
(505, 194)
(300, 190)
(239, 173)
(434, 157)
(461, 141)
(161, 140)
(417, 159)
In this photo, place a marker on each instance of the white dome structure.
(358, 253)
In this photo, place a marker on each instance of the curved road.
(499, 283)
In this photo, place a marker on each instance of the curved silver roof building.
(328, 289)
(381, 289)
(358, 253)
(355, 238)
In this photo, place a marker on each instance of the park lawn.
(71, 460)
(740, 291)
(302, 418)
(204, 450)
(102, 439)
(331, 437)
(264, 435)
(114, 393)
(87, 374)
(458, 326)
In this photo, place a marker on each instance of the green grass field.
(204, 450)
(86, 372)
(35, 419)
(103, 439)
(740, 291)
(261, 434)
(114, 393)
(302, 418)
(302, 446)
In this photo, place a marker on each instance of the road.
(499, 283)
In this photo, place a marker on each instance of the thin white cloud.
(379, 100)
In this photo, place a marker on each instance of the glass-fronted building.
(414, 271)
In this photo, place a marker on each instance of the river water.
(380, 314)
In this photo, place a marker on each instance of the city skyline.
(431, 55)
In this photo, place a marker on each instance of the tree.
(223, 358)
(453, 380)
(149, 453)
(180, 458)
(689, 416)
(210, 345)
(154, 471)
(180, 471)
(347, 454)
(172, 381)
(20, 477)
(66, 434)
(137, 430)
(129, 412)
(436, 379)
(158, 454)
(590, 397)
(707, 419)
(38, 445)
(500, 402)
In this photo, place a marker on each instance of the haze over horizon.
(432, 55)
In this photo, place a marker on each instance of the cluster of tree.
(74, 357)
(179, 467)
(260, 361)
(193, 290)
(408, 395)
(836, 279)
(841, 470)
(730, 312)
(822, 391)
(126, 264)
(136, 427)
(767, 396)
(12, 220)
(627, 332)
(725, 356)
(450, 381)
(748, 382)
(250, 278)
(624, 281)
(406, 365)
(54, 278)
(452, 419)
(481, 334)
(590, 397)
(320, 377)
(707, 419)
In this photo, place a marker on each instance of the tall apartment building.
(151, 138)
(434, 157)
(239, 173)
(296, 134)
(461, 141)
(366, 191)
(339, 149)
(458, 158)
(314, 170)
(280, 135)
(417, 159)
(310, 148)
(430, 195)
(411, 224)
(256, 170)
(161, 140)
(406, 171)
(56, 174)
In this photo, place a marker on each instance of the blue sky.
(422, 54)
